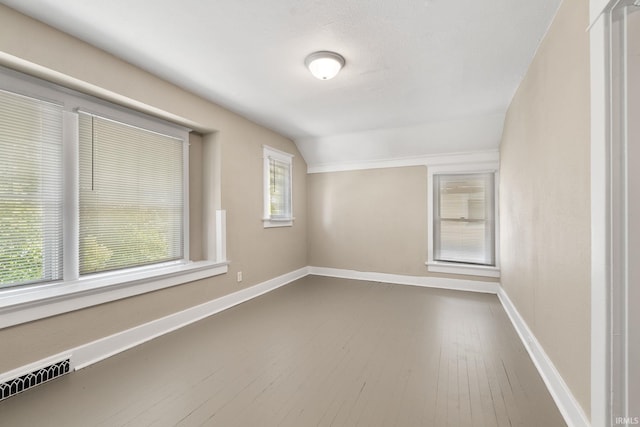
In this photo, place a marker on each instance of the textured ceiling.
(418, 72)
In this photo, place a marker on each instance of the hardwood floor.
(317, 352)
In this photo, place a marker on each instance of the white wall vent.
(32, 379)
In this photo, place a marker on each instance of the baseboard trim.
(103, 348)
(398, 279)
(569, 407)
(567, 404)
(96, 351)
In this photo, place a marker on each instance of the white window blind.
(279, 189)
(30, 190)
(131, 203)
(464, 218)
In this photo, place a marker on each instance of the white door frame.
(609, 250)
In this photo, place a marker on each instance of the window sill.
(464, 269)
(277, 222)
(27, 303)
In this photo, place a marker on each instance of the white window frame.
(267, 154)
(456, 267)
(24, 303)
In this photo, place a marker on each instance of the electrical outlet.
(239, 276)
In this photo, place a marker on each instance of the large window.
(127, 183)
(278, 169)
(463, 219)
(94, 202)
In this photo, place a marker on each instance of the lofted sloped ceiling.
(422, 77)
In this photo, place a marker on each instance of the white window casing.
(489, 265)
(277, 188)
(62, 288)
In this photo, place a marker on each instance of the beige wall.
(545, 205)
(370, 220)
(373, 220)
(260, 253)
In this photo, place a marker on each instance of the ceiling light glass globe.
(324, 65)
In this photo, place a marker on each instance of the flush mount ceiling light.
(324, 65)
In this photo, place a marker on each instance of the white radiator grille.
(32, 379)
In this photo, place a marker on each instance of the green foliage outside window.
(20, 261)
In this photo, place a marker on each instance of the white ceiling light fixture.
(324, 65)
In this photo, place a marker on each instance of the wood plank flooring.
(317, 352)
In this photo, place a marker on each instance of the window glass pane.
(131, 206)
(462, 241)
(464, 218)
(280, 189)
(30, 190)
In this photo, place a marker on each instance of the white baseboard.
(569, 407)
(424, 281)
(98, 350)
(93, 352)
(564, 399)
